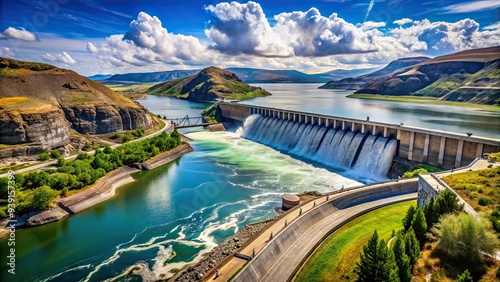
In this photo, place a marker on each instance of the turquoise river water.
(173, 214)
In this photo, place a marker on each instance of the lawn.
(336, 257)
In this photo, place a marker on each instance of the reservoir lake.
(172, 215)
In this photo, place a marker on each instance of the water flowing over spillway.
(364, 154)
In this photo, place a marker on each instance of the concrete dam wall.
(368, 155)
(434, 147)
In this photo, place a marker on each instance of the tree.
(44, 156)
(448, 202)
(419, 225)
(431, 211)
(43, 196)
(408, 218)
(465, 277)
(412, 247)
(377, 262)
(55, 154)
(402, 259)
(462, 237)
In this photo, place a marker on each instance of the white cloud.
(21, 34)
(7, 52)
(474, 6)
(444, 37)
(403, 21)
(63, 57)
(495, 26)
(370, 25)
(92, 48)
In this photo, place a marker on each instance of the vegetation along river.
(173, 214)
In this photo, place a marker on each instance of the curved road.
(167, 127)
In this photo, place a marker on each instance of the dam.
(362, 145)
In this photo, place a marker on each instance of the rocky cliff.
(40, 104)
(208, 85)
(469, 76)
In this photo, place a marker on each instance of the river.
(173, 214)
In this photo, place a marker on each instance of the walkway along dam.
(342, 141)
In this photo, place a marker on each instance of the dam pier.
(428, 146)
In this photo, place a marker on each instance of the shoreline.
(101, 191)
(425, 100)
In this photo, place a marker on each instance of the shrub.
(55, 154)
(139, 132)
(414, 173)
(115, 136)
(44, 156)
(465, 277)
(43, 196)
(463, 238)
(484, 201)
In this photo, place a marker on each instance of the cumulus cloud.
(474, 6)
(370, 25)
(244, 29)
(63, 57)
(443, 37)
(403, 21)
(20, 34)
(92, 48)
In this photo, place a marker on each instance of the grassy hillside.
(208, 85)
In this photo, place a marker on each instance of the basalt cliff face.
(208, 85)
(40, 105)
(468, 76)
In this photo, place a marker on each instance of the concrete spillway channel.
(283, 256)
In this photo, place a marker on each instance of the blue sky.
(91, 36)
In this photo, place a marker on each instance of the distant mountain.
(151, 76)
(209, 84)
(467, 76)
(99, 76)
(353, 83)
(248, 75)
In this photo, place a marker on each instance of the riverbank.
(424, 100)
(99, 192)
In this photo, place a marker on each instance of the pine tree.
(431, 211)
(412, 247)
(408, 218)
(402, 259)
(448, 202)
(465, 277)
(419, 225)
(377, 262)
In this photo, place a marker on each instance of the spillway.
(367, 155)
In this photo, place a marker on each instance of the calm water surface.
(173, 214)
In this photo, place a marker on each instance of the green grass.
(430, 168)
(13, 167)
(336, 257)
(424, 100)
(474, 185)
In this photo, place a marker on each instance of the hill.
(99, 76)
(41, 104)
(247, 75)
(353, 83)
(467, 76)
(150, 76)
(209, 84)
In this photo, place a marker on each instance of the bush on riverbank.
(37, 190)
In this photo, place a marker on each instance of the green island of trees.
(37, 190)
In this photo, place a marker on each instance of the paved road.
(293, 257)
(168, 127)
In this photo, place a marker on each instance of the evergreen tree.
(431, 211)
(448, 202)
(377, 262)
(412, 247)
(465, 277)
(408, 218)
(419, 225)
(402, 259)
